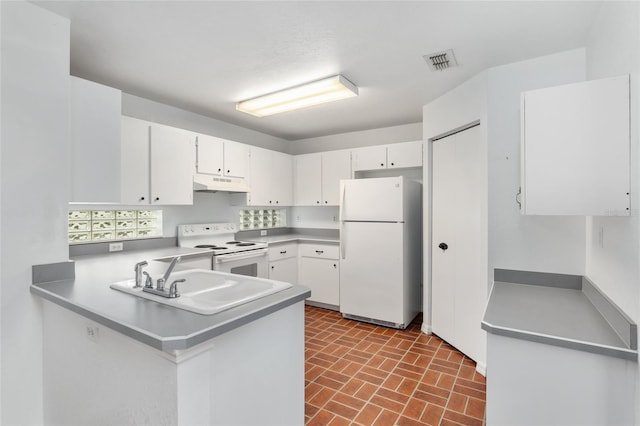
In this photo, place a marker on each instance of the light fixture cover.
(313, 93)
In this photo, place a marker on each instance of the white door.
(370, 158)
(459, 285)
(134, 166)
(236, 156)
(371, 270)
(375, 199)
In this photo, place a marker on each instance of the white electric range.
(227, 254)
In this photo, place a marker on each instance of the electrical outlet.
(92, 332)
(263, 233)
(115, 246)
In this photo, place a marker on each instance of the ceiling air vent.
(440, 61)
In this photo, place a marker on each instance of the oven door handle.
(240, 256)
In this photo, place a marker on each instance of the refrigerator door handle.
(343, 240)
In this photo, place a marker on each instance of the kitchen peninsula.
(112, 358)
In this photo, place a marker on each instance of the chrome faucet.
(160, 283)
(138, 270)
(165, 277)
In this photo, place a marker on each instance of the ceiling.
(204, 56)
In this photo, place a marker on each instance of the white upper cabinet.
(172, 156)
(404, 154)
(157, 163)
(317, 177)
(95, 142)
(221, 157)
(271, 175)
(134, 164)
(370, 158)
(307, 189)
(397, 155)
(575, 149)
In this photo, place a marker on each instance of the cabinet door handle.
(228, 171)
(141, 198)
(272, 267)
(443, 246)
(326, 202)
(157, 198)
(335, 266)
(382, 164)
(392, 164)
(518, 198)
(319, 251)
(283, 252)
(219, 170)
(317, 202)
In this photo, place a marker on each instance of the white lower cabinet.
(320, 271)
(283, 262)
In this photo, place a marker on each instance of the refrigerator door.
(371, 271)
(374, 200)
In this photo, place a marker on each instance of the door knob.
(443, 246)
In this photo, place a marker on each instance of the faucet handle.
(173, 288)
(148, 282)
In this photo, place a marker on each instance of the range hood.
(210, 183)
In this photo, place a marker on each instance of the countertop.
(301, 238)
(570, 313)
(157, 325)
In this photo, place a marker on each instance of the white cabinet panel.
(134, 164)
(319, 269)
(284, 270)
(370, 158)
(95, 142)
(210, 155)
(405, 154)
(308, 182)
(317, 177)
(392, 156)
(575, 149)
(336, 165)
(172, 159)
(220, 157)
(157, 163)
(271, 178)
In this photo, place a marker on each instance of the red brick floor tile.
(368, 415)
(386, 418)
(358, 373)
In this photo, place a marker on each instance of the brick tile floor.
(363, 374)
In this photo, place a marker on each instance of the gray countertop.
(553, 313)
(302, 238)
(155, 324)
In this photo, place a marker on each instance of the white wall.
(145, 109)
(513, 241)
(530, 243)
(381, 136)
(34, 190)
(614, 49)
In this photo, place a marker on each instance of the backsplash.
(86, 226)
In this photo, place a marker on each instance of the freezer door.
(371, 271)
(377, 199)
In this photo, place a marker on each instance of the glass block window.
(262, 218)
(90, 226)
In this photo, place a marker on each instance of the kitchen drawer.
(327, 251)
(283, 251)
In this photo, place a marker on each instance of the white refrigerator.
(381, 250)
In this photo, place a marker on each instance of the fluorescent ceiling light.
(317, 92)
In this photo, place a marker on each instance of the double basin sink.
(208, 292)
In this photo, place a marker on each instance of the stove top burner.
(210, 246)
(240, 243)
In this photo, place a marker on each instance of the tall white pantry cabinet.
(575, 149)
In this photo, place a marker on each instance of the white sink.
(209, 292)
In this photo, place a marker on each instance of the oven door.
(252, 263)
